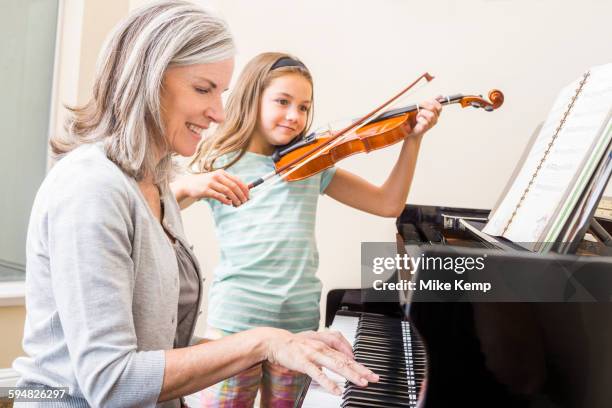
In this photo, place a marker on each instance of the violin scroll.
(496, 99)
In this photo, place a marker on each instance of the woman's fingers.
(352, 366)
(336, 341)
(324, 381)
(344, 366)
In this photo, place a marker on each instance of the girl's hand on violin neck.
(424, 120)
(307, 352)
(219, 185)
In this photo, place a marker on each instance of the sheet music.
(583, 133)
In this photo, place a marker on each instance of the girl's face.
(283, 112)
(191, 101)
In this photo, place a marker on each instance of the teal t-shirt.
(268, 262)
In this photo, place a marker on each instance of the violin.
(319, 151)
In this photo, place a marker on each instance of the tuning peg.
(475, 105)
(488, 108)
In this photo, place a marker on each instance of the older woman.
(113, 288)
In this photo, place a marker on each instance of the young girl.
(266, 274)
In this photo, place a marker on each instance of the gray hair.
(124, 111)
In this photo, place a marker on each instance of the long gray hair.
(125, 111)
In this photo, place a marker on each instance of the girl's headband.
(287, 62)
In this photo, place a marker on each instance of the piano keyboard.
(386, 346)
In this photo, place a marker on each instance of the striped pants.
(279, 386)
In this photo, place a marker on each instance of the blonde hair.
(242, 111)
(124, 111)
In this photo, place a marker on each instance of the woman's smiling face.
(191, 101)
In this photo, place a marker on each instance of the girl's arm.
(389, 199)
(193, 368)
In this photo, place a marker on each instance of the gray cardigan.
(102, 286)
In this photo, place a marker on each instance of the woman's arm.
(387, 200)
(219, 185)
(194, 368)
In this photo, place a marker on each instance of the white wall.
(361, 52)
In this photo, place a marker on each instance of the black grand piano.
(471, 353)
